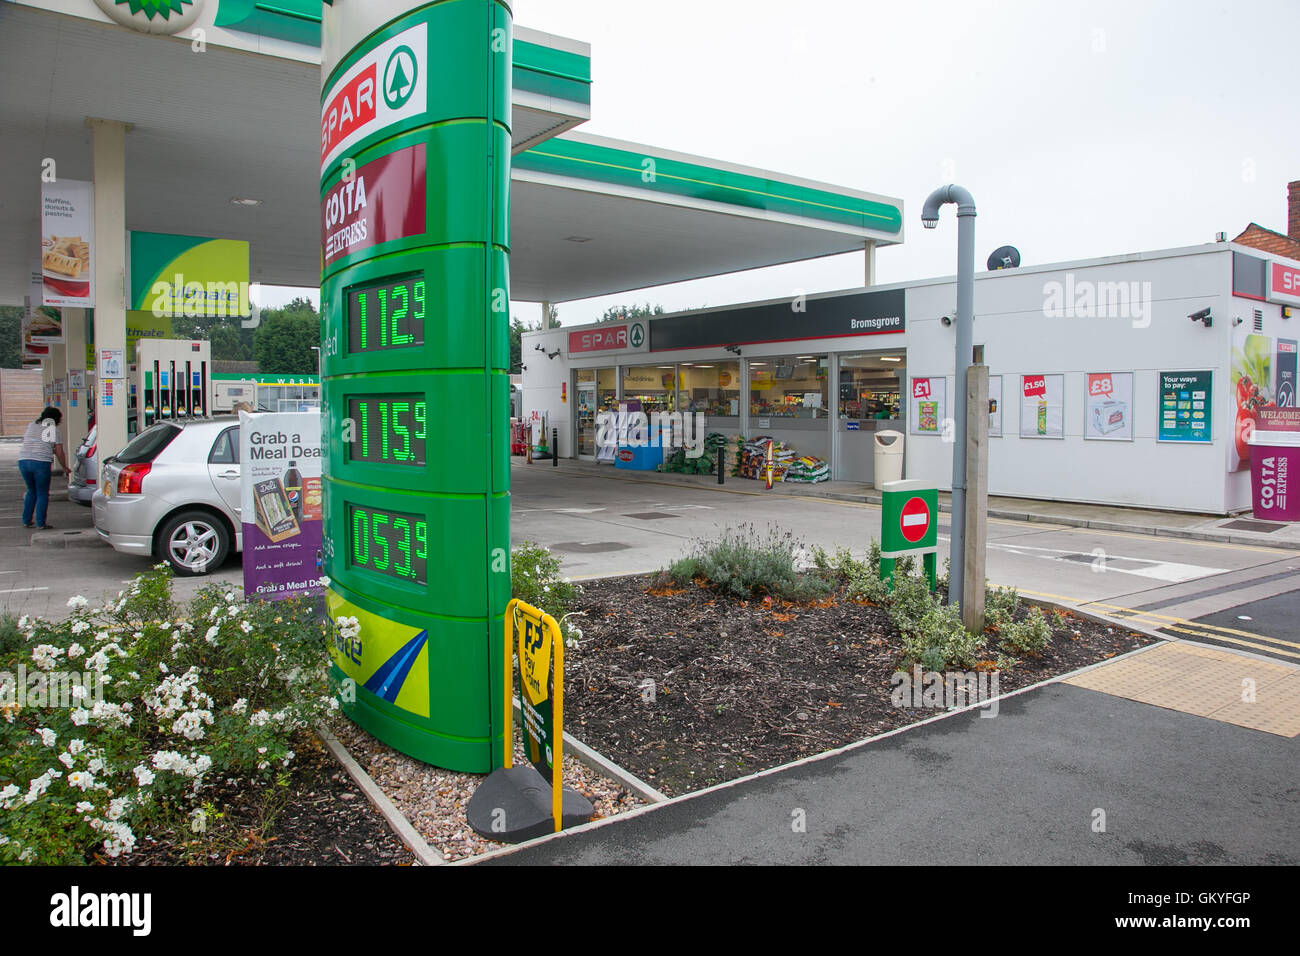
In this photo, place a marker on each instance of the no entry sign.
(914, 520)
(909, 519)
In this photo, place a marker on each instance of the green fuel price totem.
(415, 165)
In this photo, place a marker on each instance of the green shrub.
(746, 564)
(1029, 636)
(536, 579)
(164, 703)
(1000, 606)
(938, 640)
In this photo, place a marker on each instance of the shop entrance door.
(586, 424)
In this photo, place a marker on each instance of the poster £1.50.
(1042, 406)
(280, 465)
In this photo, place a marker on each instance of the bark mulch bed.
(321, 819)
(740, 686)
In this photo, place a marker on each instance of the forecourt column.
(415, 167)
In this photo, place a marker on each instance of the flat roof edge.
(595, 139)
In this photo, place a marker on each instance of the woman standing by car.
(41, 446)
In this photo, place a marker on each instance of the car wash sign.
(387, 86)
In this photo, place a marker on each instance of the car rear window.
(146, 445)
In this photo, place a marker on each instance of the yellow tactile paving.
(1207, 682)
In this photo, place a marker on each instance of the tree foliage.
(282, 344)
(618, 313)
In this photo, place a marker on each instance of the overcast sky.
(1083, 129)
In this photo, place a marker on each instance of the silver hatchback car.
(173, 493)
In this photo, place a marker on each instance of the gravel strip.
(434, 799)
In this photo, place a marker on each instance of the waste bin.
(1274, 458)
(889, 457)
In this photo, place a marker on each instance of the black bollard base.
(514, 804)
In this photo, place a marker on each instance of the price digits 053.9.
(386, 315)
(391, 428)
(392, 543)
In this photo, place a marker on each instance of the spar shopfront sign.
(627, 337)
(1283, 283)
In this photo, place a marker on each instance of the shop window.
(710, 387)
(869, 387)
(652, 387)
(792, 386)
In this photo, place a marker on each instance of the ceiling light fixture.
(577, 238)
(245, 201)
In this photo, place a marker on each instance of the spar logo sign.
(386, 86)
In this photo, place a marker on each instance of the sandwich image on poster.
(274, 512)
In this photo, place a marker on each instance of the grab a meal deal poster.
(280, 466)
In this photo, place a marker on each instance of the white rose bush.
(164, 704)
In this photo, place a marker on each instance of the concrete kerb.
(397, 822)
(603, 765)
(410, 837)
(847, 748)
(78, 538)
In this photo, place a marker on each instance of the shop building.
(1112, 381)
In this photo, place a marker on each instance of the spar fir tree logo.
(400, 73)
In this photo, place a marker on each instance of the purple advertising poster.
(280, 461)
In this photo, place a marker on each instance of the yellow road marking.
(1194, 628)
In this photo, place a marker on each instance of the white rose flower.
(143, 775)
(77, 602)
(48, 737)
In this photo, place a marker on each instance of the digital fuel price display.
(388, 428)
(392, 543)
(386, 315)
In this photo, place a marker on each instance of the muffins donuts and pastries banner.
(67, 233)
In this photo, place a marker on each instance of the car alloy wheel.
(195, 545)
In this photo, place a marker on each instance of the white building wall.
(542, 380)
(1020, 338)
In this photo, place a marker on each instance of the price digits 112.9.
(388, 315)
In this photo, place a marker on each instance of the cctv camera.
(1237, 320)
(946, 320)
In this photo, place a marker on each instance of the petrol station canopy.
(240, 121)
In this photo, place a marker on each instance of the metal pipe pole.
(965, 341)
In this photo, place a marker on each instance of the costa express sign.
(383, 201)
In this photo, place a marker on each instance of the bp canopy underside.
(208, 128)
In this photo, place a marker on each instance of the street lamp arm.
(943, 195)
